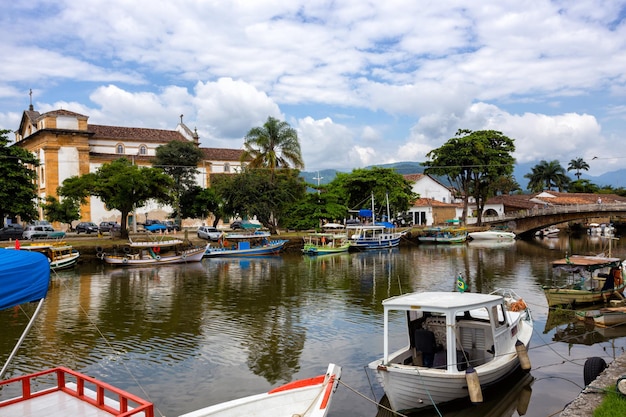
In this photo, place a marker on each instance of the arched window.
(143, 150)
(119, 149)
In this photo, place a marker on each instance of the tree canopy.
(546, 175)
(18, 189)
(473, 162)
(273, 145)
(578, 164)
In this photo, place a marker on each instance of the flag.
(17, 244)
(461, 285)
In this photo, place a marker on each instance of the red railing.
(99, 394)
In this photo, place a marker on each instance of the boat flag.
(461, 285)
(17, 244)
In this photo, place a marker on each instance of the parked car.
(11, 231)
(244, 224)
(86, 227)
(172, 226)
(109, 226)
(32, 232)
(209, 233)
(154, 226)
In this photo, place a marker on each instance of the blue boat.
(373, 236)
(258, 243)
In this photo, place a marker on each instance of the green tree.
(179, 160)
(314, 208)
(578, 164)
(121, 186)
(273, 145)
(583, 186)
(356, 189)
(473, 161)
(546, 175)
(18, 189)
(65, 211)
(199, 203)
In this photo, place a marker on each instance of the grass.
(613, 404)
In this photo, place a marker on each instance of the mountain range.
(616, 179)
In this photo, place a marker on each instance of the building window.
(143, 150)
(226, 167)
(119, 149)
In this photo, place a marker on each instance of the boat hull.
(315, 250)
(492, 235)
(568, 296)
(67, 262)
(273, 248)
(310, 397)
(190, 255)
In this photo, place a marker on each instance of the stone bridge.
(526, 222)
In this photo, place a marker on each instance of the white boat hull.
(308, 397)
(190, 255)
(492, 235)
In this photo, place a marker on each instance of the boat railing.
(99, 394)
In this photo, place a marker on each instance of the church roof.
(134, 133)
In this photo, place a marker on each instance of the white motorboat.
(158, 251)
(455, 344)
(492, 235)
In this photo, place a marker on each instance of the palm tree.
(546, 175)
(578, 164)
(273, 145)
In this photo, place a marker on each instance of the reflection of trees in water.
(266, 302)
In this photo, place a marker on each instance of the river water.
(188, 336)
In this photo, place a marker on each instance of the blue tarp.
(386, 224)
(24, 277)
(365, 213)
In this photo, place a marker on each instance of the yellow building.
(67, 145)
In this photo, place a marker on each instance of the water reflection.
(199, 334)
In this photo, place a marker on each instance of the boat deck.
(66, 394)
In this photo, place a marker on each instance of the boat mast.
(388, 211)
(373, 212)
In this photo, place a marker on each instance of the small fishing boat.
(305, 397)
(587, 280)
(373, 236)
(258, 243)
(455, 344)
(443, 235)
(61, 255)
(492, 235)
(316, 244)
(551, 231)
(156, 251)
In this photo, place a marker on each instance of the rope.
(370, 400)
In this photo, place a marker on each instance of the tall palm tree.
(546, 175)
(273, 145)
(578, 164)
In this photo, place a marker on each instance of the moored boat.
(443, 235)
(60, 255)
(455, 344)
(492, 235)
(551, 231)
(587, 280)
(373, 236)
(157, 251)
(305, 397)
(604, 317)
(316, 244)
(258, 243)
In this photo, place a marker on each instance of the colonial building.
(68, 145)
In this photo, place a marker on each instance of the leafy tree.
(578, 164)
(473, 162)
(18, 189)
(274, 145)
(356, 189)
(121, 186)
(583, 186)
(546, 175)
(261, 193)
(179, 160)
(314, 208)
(198, 202)
(65, 211)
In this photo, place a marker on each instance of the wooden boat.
(61, 255)
(455, 343)
(306, 397)
(157, 251)
(604, 317)
(373, 236)
(316, 244)
(443, 235)
(588, 280)
(492, 235)
(257, 243)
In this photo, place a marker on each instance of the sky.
(363, 82)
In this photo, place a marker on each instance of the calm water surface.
(193, 335)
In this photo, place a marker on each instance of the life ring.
(99, 249)
(125, 260)
(158, 257)
(100, 255)
(156, 249)
(184, 257)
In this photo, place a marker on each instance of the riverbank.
(593, 394)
